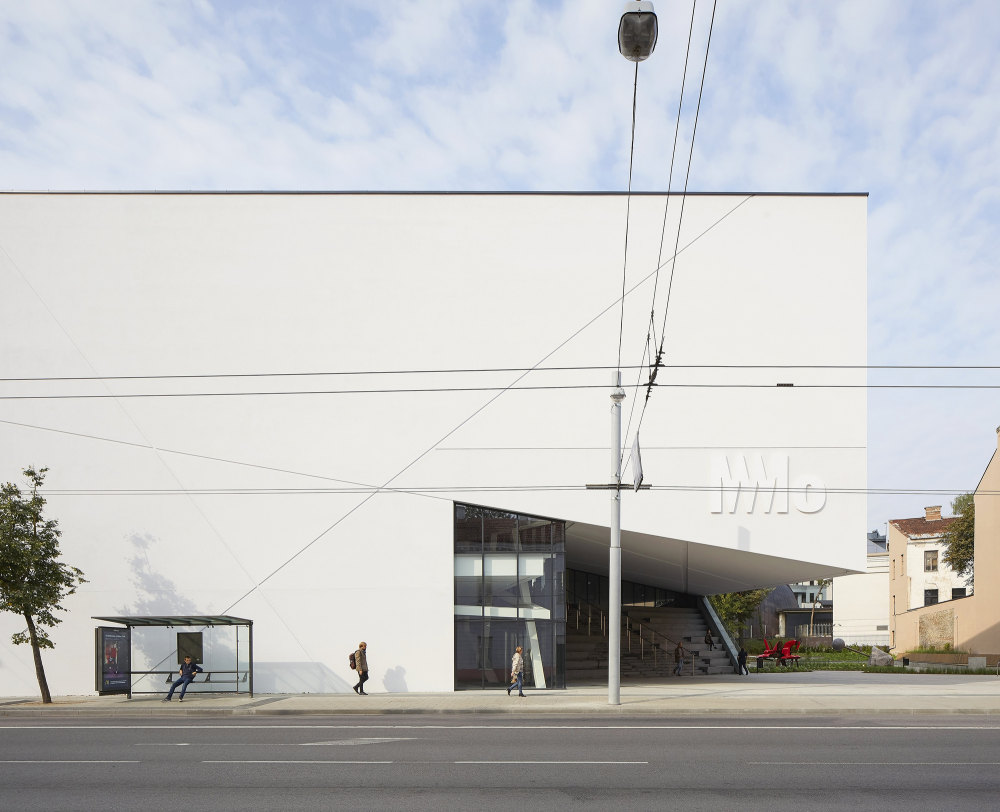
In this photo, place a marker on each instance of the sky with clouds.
(897, 99)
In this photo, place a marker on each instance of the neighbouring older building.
(930, 604)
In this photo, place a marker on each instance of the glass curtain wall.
(584, 588)
(509, 591)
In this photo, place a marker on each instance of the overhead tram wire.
(628, 214)
(680, 219)
(461, 370)
(657, 362)
(651, 330)
(499, 388)
(429, 490)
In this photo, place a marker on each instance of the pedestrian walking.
(709, 641)
(361, 663)
(741, 659)
(516, 673)
(678, 659)
(187, 673)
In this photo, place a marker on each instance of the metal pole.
(615, 563)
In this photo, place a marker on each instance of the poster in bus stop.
(113, 659)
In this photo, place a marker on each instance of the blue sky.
(897, 99)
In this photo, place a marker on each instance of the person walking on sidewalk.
(361, 663)
(741, 660)
(187, 672)
(516, 673)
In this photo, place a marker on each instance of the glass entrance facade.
(509, 591)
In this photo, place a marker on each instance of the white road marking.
(351, 742)
(304, 761)
(346, 742)
(67, 761)
(876, 763)
(830, 728)
(552, 762)
(491, 763)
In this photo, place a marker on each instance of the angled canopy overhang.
(686, 566)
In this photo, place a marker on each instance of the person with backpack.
(360, 663)
(678, 659)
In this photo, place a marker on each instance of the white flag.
(636, 462)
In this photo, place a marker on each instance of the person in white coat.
(516, 673)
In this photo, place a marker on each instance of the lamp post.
(636, 41)
(615, 561)
(637, 31)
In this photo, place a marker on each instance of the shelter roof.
(177, 620)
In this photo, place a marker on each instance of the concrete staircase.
(587, 654)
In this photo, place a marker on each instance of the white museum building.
(374, 416)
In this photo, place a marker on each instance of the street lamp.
(637, 30)
(636, 40)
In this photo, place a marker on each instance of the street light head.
(637, 30)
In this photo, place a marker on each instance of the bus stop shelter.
(113, 649)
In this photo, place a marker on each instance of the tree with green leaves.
(735, 609)
(959, 538)
(821, 584)
(32, 580)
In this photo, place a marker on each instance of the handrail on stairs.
(630, 628)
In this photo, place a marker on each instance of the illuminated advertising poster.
(113, 665)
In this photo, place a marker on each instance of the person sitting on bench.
(187, 673)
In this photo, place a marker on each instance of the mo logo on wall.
(762, 486)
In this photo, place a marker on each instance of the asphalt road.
(475, 762)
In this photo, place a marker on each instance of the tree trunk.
(37, 652)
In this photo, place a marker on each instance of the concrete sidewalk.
(817, 693)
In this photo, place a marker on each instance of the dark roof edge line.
(236, 192)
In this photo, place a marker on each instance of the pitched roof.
(922, 528)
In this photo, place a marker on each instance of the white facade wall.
(861, 604)
(263, 507)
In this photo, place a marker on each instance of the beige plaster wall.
(979, 626)
(969, 624)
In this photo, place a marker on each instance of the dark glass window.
(534, 535)
(957, 592)
(509, 591)
(468, 530)
(930, 597)
(500, 532)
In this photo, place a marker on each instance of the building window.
(509, 591)
(930, 560)
(882, 628)
(957, 592)
(930, 597)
